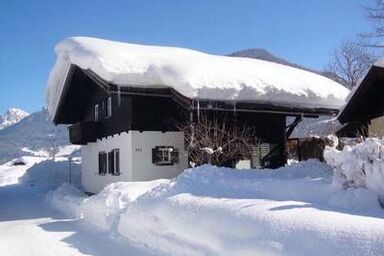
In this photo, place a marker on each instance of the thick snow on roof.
(193, 74)
(379, 62)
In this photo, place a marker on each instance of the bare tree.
(54, 149)
(218, 139)
(375, 14)
(350, 62)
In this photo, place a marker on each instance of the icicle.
(234, 109)
(192, 128)
(198, 110)
(118, 96)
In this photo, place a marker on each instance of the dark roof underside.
(80, 86)
(368, 100)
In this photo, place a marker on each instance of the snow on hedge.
(51, 173)
(294, 210)
(359, 166)
(11, 171)
(192, 73)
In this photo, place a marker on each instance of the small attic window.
(96, 112)
(108, 109)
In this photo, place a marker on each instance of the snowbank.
(291, 211)
(51, 173)
(67, 199)
(10, 173)
(295, 210)
(359, 166)
(103, 209)
(194, 74)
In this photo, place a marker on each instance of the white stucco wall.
(143, 142)
(91, 180)
(135, 158)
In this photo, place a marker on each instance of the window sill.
(108, 174)
(165, 164)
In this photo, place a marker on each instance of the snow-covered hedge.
(52, 173)
(359, 166)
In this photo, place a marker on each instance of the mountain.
(12, 116)
(262, 54)
(309, 127)
(34, 134)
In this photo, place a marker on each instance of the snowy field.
(29, 226)
(295, 210)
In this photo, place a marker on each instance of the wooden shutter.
(174, 156)
(154, 155)
(102, 163)
(117, 161)
(111, 166)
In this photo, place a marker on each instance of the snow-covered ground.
(29, 226)
(294, 210)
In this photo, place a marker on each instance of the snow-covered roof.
(193, 74)
(365, 99)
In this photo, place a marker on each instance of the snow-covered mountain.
(12, 116)
(309, 127)
(262, 54)
(35, 134)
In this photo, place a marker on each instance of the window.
(102, 163)
(259, 154)
(165, 155)
(109, 162)
(114, 162)
(108, 109)
(96, 112)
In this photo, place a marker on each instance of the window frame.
(114, 162)
(102, 163)
(108, 107)
(165, 155)
(96, 112)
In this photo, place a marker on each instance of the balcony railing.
(83, 132)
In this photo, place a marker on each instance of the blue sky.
(301, 31)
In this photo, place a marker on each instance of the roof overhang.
(73, 98)
(367, 100)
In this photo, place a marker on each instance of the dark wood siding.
(135, 110)
(155, 113)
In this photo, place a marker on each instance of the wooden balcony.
(83, 132)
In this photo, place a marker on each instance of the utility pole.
(70, 170)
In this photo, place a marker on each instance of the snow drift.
(11, 173)
(52, 173)
(295, 210)
(102, 210)
(194, 74)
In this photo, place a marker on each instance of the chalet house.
(118, 99)
(362, 116)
